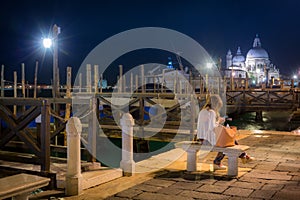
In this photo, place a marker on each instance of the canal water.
(272, 120)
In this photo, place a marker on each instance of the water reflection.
(272, 120)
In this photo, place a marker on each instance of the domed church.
(256, 65)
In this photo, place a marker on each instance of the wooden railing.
(15, 131)
(100, 111)
(262, 100)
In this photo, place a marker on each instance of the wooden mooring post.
(35, 78)
(45, 136)
(2, 81)
(15, 91)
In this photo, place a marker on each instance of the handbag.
(225, 136)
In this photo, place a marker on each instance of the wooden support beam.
(45, 137)
(2, 81)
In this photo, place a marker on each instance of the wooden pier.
(159, 114)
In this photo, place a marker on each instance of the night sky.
(217, 25)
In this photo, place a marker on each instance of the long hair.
(215, 102)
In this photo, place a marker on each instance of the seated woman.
(208, 119)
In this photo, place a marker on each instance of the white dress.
(206, 125)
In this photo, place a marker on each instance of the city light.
(209, 65)
(295, 77)
(47, 42)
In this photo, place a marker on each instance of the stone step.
(93, 178)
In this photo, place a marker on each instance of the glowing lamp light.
(295, 76)
(47, 42)
(209, 65)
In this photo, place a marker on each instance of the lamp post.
(257, 76)
(294, 80)
(56, 31)
(267, 76)
(208, 67)
(48, 42)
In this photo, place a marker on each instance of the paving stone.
(158, 196)
(203, 195)
(251, 165)
(170, 190)
(159, 182)
(275, 172)
(115, 198)
(268, 176)
(208, 181)
(262, 149)
(212, 188)
(129, 193)
(244, 198)
(265, 194)
(282, 182)
(186, 185)
(290, 157)
(296, 178)
(275, 187)
(294, 173)
(269, 172)
(249, 185)
(259, 154)
(266, 166)
(291, 187)
(235, 191)
(253, 180)
(225, 182)
(270, 159)
(288, 167)
(147, 188)
(286, 194)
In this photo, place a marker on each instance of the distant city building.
(256, 66)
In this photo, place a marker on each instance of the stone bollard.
(73, 176)
(191, 163)
(127, 163)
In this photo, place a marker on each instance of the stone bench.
(232, 153)
(21, 185)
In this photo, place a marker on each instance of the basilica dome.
(257, 51)
(238, 58)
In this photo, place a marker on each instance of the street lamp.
(295, 77)
(208, 66)
(48, 43)
(257, 76)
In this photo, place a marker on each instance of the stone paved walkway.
(275, 174)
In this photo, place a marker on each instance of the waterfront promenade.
(275, 174)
